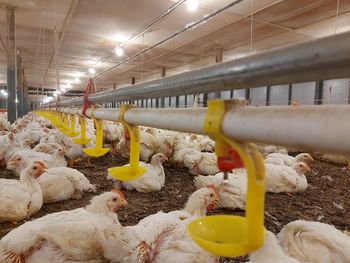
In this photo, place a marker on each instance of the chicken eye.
(19, 159)
(114, 199)
(211, 195)
(35, 167)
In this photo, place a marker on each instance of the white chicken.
(178, 158)
(162, 237)
(152, 180)
(19, 199)
(62, 183)
(46, 147)
(57, 183)
(202, 163)
(315, 242)
(271, 252)
(267, 149)
(54, 160)
(68, 236)
(283, 159)
(232, 193)
(280, 178)
(112, 134)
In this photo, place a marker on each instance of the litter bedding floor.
(327, 198)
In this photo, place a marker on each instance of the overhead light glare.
(16, 100)
(119, 51)
(192, 5)
(77, 80)
(92, 71)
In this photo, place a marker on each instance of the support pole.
(318, 92)
(114, 103)
(20, 91)
(11, 63)
(268, 95)
(247, 95)
(162, 99)
(290, 93)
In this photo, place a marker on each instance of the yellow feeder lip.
(98, 150)
(134, 170)
(227, 235)
(83, 139)
(72, 132)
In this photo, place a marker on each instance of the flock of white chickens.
(94, 234)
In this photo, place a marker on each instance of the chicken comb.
(214, 188)
(41, 164)
(118, 192)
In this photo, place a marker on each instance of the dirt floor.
(327, 198)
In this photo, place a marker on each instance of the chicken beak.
(124, 202)
(9, 163)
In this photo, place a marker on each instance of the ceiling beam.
(65, 24)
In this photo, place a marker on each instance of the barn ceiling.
(90, 30)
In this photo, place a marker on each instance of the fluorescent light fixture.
(76, 80)
(78, 74)
(47, 99)
(192, 5)
(92, 71)
(119, 51)
(120, 38)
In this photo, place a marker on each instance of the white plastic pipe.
(317, 128)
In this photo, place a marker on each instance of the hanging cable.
(185, 29)
(336, 18)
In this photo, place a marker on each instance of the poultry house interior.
(174, 131)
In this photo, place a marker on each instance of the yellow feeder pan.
(98, 150)
(72, 132)
(83, 139)
(227, 235)
(134, 170)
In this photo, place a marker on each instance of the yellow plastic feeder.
(228, 235)
(62, 122)
(83, 139)
(98, 150)
(72, 132)
(134, 170)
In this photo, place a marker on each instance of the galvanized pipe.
(317, 128)
(326, 58)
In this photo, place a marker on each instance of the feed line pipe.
(327, 58)
(323, 128)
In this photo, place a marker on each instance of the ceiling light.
(68, 81)
(92, 71)
(192, 5)
(78, 74)
(119, 51)
(120, 38)
(47, 99)
(76, 80)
